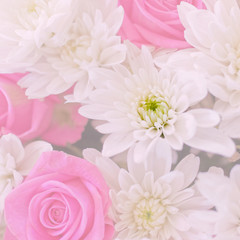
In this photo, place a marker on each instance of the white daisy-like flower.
(90, 42)
(27, 26)
(140, 104)
(16, 162)
(224, 194)
(149, 201)
(215, 32)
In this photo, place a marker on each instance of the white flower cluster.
(215, 33)
(58, 42)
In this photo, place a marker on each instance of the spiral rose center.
(57, 215)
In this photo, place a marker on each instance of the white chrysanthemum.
(16, 162)
(141, 104)
(27, 26)
(151, 202)
(224, 193)
(90, 42)
(216, 33)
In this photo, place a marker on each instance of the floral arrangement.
(159, 80)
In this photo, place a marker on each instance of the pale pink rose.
(154, 22)
(63, 197)
(50, 118)
(18, 115)
(66, 125)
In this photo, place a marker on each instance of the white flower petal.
(194, 86)
(230, 121)
(217, 89)
(235, 99)
(182, 196)
(117, 125)
(140, 149)
(7, 189)
(83, 88)
(205, 117)
(113, 55)
(175, 179)
(11, 144)
(110, 171)
(182, 104)
(213, 187)
(91, 154)
(212, 140)
(185, 126)
(235, 175)
(136, 169)
(219, 52)
(136, 192)
(180, 222)
(189, 166)
(95, 111)
(114, 20)
(148, 182)
(125, 180)
(216, 170)
(159, 158)
(32, 153)
(116, 143)
(190, 17)
(174, 141)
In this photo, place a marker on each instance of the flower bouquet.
(119, 120)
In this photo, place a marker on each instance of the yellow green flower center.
(149, 213)
(154, 112)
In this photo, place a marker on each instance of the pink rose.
(18, 115)
(63, 198)
(51, 119)
(66, 124)
(154, 22)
